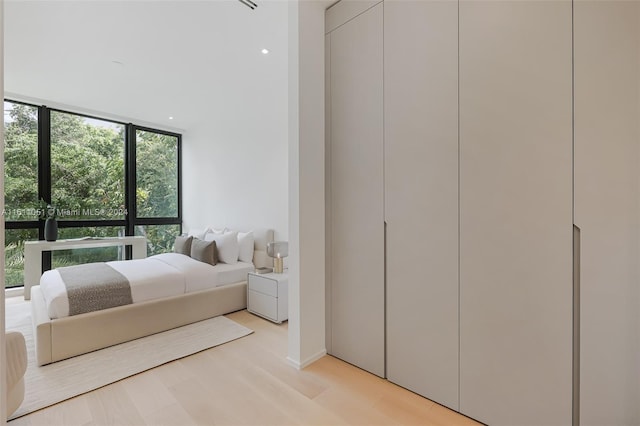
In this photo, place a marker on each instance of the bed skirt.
(63, 338)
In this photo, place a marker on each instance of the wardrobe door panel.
(516, 212)
(421, 196)
(606, 54)
(357, 216)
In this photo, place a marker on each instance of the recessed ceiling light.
(170, 118)
(265, 51)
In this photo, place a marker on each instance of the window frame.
(131, 220)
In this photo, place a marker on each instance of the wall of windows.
(105, 179)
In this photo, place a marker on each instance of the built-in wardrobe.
(478, 154)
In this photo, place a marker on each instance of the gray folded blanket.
(94, 286)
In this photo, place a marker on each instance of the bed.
(60, 338)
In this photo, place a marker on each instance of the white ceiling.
(198, 61)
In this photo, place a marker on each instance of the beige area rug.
(53, 383)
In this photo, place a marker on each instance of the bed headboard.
(260, 239)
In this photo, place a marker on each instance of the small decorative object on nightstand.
(278, 250)
(267, 296)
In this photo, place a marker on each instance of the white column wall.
(3, 352)
(306, 183)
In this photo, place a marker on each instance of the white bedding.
(162, 275)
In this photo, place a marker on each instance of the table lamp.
(278, 250)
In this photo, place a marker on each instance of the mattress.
(159, 276)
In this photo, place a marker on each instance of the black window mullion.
(130, 196)
(44, 154)
(133, 211)
(130, 183)
(130, 221)
(179, 188)
(23, 224)
(44, 171)
(87, 223)
(158, 221)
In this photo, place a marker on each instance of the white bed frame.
(61, 338)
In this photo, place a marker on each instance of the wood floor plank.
(442, 416)
(277, 365)
(194, 397)
(171, 415)
(111, 405)
(405, 407)
(353, 409)
(351, 378)
(74, 412)
(171, 374)
(248, 382)
(279, 394)
(148, 394)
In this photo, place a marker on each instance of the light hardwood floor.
(248, 382)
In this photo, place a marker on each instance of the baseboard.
(310, 360)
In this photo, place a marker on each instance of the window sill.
(14, 292)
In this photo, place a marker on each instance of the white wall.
(306, 182)
(235, 158)
(266, 169)
(234, 166)
(234, 171)
(3, 361)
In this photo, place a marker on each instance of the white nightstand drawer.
(262, 304)
(263, 285)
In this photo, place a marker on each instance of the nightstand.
(267, 296)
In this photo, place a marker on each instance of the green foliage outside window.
(21, 163)
(157, 175)
(87, 182)
(87, 168)
(87, 255)
(14, 254)
(160, 238)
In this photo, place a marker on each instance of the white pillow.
(217, 231)
(245, 244)
(227, 246)
(198, 233)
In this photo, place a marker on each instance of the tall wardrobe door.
(606, 54)
(421, 196)
(357, 216)
(516, 212)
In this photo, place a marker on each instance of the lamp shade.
(278, 249)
